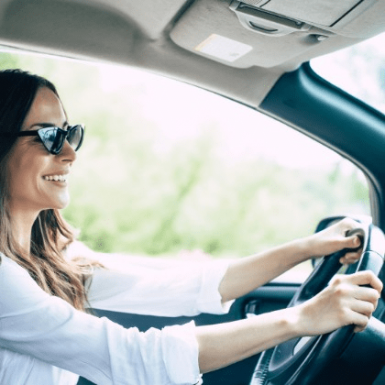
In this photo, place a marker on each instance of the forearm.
(248, 273)
(223, 344)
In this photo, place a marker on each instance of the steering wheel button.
(301, 343)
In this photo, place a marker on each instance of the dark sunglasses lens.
(51, 140)
(75, 137)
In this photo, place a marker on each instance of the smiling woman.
(26, 102)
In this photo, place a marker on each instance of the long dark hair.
(45, 263)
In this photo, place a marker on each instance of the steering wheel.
(301, 360)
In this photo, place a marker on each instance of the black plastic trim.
(333, 117)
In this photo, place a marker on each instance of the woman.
(46, 337)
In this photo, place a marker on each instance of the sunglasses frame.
(60, 137)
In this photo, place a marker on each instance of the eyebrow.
(44, 125)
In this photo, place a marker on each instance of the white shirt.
(44, 340)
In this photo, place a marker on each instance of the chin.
(60, 204)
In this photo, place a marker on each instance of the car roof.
(214, 44)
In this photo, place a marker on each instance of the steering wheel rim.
(292, 362)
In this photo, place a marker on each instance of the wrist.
(293, 319)
(304, 248)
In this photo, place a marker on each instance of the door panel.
(270, 297)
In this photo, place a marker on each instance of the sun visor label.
(223, 48)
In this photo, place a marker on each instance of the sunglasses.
(53, 137)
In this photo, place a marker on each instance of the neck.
(21, 224)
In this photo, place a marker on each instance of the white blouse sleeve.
(157, 287)
(49, 329)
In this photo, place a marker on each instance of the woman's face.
(30, 163)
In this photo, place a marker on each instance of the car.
(256, 57)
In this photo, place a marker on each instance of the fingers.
(352, 242)
(351, 257)
(359, 320)
(365, 295)
(365, 278)
(362, 278)
(360, 314)
(357, 302)
(363, 307)
(358, 294)
(349, 229)
(348, 224)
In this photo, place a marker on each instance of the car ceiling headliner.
(137, 33)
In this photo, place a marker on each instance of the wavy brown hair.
(45, 263)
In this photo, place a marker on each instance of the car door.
(270, 297)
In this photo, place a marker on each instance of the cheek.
(25, 174)
(20, 183)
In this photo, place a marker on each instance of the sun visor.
(263, 33)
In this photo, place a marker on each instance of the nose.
(67, 154)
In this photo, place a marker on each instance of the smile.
(56, 178)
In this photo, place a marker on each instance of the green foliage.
(8, 60)
(127, 195)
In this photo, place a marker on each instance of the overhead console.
(263, 33)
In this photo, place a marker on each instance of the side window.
(358, 70)
(167, 167)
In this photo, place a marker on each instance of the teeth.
(61, 178)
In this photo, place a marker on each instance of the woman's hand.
(246, 274)
(344, 302)
(333, 239)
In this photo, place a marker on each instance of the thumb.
(352, 242)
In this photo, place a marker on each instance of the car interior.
(255, 53)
